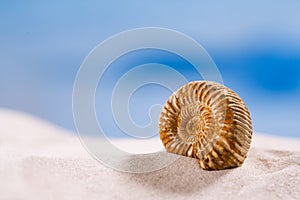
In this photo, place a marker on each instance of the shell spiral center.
(195, 126)
(194, 122)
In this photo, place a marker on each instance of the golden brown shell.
(207, 121)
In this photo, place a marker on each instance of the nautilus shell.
(207, 121)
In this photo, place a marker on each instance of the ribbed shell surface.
(207, 121)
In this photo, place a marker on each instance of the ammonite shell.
(207, 121)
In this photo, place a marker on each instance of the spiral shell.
(207, 121)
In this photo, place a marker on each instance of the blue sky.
(254, 44)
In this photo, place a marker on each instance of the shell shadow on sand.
(177, 177)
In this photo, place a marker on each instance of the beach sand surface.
(39, 160)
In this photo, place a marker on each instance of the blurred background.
(255, 45)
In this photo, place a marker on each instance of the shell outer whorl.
(207, 121)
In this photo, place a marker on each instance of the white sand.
(41, 161)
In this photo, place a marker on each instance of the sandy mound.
(41, 161)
